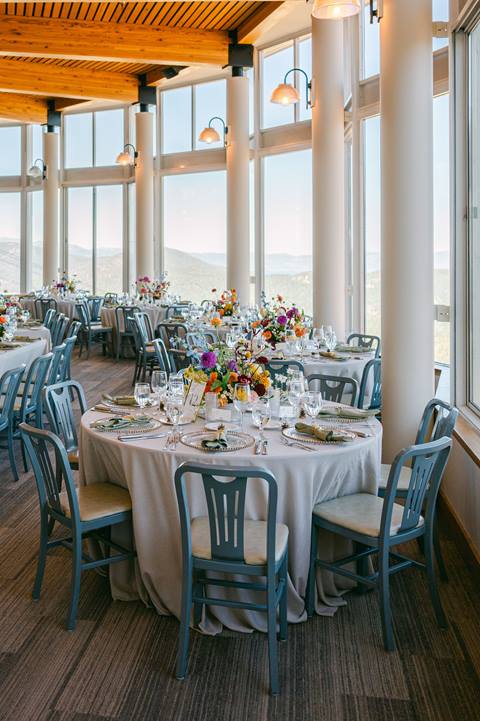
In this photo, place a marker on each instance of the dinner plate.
(236, 440)
(293, 435)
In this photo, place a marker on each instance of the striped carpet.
(118, 664)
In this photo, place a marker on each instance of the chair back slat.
(162, 356)
(42, 305)
(9, 385)
(363, 340)
(282, 368)
(57, 353)
(374, 369)
(51, 470)
(59, 329)
(428, 462)
(60, 414)
(225, 492)
(49, 318)
(32, 390)
(333, 388)
(94, 305)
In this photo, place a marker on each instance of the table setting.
(139, 441)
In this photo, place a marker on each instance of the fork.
(286, 442)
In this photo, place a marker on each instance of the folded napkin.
(324, 434)
(343, 348)
(120, 423)
(9, 346)
(332, 355)
(218, 441)
(120, 400)
(108, 409)
(24, 339)
(348, 412)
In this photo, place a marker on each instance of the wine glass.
(318, 337)
(175, 386)
(159, 383)
(242, 399)
(173, 410)
(331, 341)
(295, 392)
(261, 413)
(142, 394)
(312, 402)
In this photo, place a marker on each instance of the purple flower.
(232, 366)
(292, 312)
(282, 320)
(208, 360)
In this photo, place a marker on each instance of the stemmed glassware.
(142, 394)
(295, 391)
(159, 384)
(242, 399)
(330, 340)
(312, 402)
(318, 337)
(261, 413)
(173, 410)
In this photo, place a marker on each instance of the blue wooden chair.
(378, 525)
(89, 511)
(110, 298)
(334, 388)
(175, 311)
(53, 373)
(174, 336)
(224, 542)
(282, 367)
(74, 329)
(28, 406)
(9, 387)
(58, 401)
(366, 341)
(145, 358)
(373, 368)
(91, 331)
(162, 357)
(65, 365)
(58, 330)
(42, 305)
(438, 421)
(49, 318)
(94, 304)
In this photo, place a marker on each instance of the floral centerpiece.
(222, 367)
(66, 284)
(278, 321)
(3, 325)
(227, 302)
(151, 289)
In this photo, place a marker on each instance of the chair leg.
(24, 456)
(76, 573)
(432, 581)
(42, 555)
(272, 636)
(198, 590)
(438, 552)
(312, 579)
(11, 453)
(284, 599)
(362, 568)
(385, 610)
(185, 621)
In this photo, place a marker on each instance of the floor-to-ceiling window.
(473, 392)
(80, 235)
(194, 212)
(372, 221)
(441, 216)
(287, 230)
(36, 234)
(10, 204)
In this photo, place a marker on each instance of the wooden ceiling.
(98, 50)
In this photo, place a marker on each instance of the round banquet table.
(21, 353)
(64, 305)
(304, 479)
(35, 333)
(156, 313)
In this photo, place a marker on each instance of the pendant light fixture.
(335, 9)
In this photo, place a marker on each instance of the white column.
(238, 219)
(328, 175)
(144, 195)
(50, 209)
(406, 91)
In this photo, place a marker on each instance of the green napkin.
(120, 400)
(24, 339)
(350, 413)
(218, 442)
(324, 434)
(353, 348)
(114, 424)
(332, 356)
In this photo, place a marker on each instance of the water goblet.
(312, 402)
(261, 414)
(159, 384)
(294, 392)
(173, 410)
(142, 394)
(242, 399)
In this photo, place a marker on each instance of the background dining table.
(64, 305)
(21, 352)
(304, 479)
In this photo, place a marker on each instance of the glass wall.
(441, 216)
(372, 220)
(108, 239)
(10, 204)
(474, 222)
(287, 227)
(370, 44)
(11, 145)
(195, 235)
(186, 111)
(80, 235)
(36, 210)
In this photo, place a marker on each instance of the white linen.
(25, 353)
(156, 313)
(35, 334)
(304, 479)
(64, 305)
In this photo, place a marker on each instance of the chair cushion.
(254, 540)
(98, 500)
(403, 481)
(359, 512)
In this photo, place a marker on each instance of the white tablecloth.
(304, 479)
(65, 306)
(25, 353)
(35, 333)
(156, 313)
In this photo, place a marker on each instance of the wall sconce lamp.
(210, 135)
(37, 172)
(376, 10)
(287, 94)
(128, 155)
(335, 9)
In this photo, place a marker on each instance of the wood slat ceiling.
(200, 15)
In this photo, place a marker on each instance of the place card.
(193, 400)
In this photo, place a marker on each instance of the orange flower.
(255, 324)
(216, 322)
(3, 319)
(221, 311)
(299, 331)
(213, 376)
(267, 334)
(233, 377)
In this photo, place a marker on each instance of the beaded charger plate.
(149, 426)
(236, 440)
(293, 435)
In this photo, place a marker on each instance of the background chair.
(366, 341)
(110, 298)
(145, 357)
(58, 400)
(281, 368)
(42, 305)
(92, 331)
(372, 401)
(58, 329)
(162, 357)
(334, 388)
(94, 304)
(123, 315)
(9, 387)
(49, 318)
(225, 542)
(89, 511)
(378, 525)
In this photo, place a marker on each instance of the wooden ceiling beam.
(80, 40)
(65, 82)
(24, 108)
(159, 75)
(262, 20)
(61, 104)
